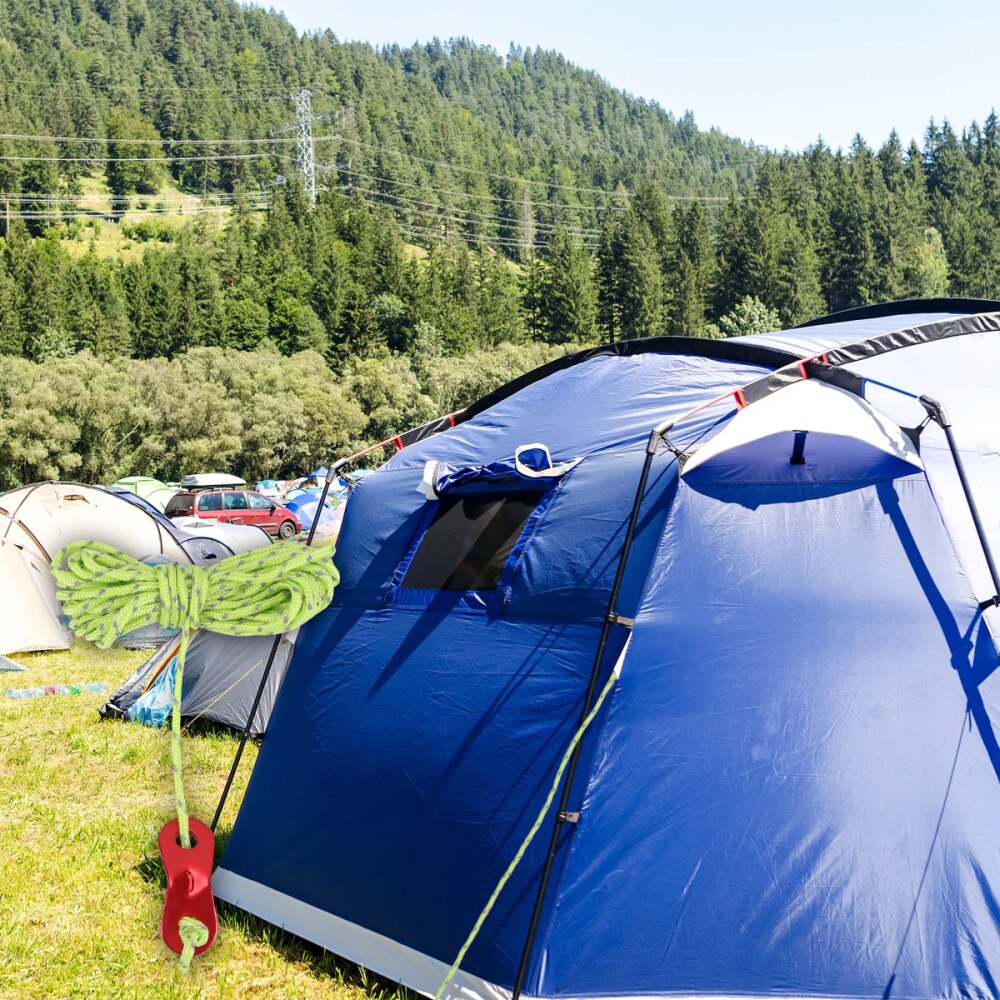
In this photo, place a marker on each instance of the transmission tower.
(305, 151)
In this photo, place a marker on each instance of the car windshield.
(180, 505)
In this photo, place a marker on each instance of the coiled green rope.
(107, 594)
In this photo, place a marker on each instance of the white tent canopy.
(810, 424)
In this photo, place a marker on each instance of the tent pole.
(330, 477)
(611, 617)
(936, 412)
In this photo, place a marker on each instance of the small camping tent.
(306, 508)
(221, 677)
(233, 537)
(149, 489)
(792, 788)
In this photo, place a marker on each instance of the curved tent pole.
(12, 516)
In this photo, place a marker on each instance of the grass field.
(81, 887)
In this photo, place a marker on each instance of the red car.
(236, 507)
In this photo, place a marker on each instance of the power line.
(510, 177)
(98, 215)
(454, 193)
(93, 140)
(66, 198)
(483, 173)
(471, 217)
(136, 159)
(411, 228)
(140, 142)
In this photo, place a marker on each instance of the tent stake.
(657, 437)
(330, 477)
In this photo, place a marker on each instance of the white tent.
(29, 612)
(236, 537)
(37, 521)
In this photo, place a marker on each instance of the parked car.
(236, 507)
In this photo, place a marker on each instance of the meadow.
(81, 885)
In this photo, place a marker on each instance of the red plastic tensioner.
(189, 882)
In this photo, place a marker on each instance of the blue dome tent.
(776, 554)
(306, 505)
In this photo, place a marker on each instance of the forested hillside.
(442, 118)
(473, 213)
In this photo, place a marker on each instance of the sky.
(778, 73)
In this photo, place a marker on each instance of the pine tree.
(608, 277)
(690, 272)
(125, 176)
(569, 302)
(498, 300)
(639, 282)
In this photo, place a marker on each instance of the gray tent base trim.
(221, 676)
(8, 664)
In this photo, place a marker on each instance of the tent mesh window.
(469, 540)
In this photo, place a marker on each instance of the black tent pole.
(611, 617)
(330, 477)
(936, 412)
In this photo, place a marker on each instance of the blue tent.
(792, 788)
(305, 506)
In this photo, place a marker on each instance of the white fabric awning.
(828, 421)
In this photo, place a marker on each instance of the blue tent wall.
(760, 798)
(410, 750)
(792, 698)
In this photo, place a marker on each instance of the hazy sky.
(780, 73)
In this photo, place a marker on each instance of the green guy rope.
(194, 934)
(536, 826)
(107, 594)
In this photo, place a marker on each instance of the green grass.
(81, 886)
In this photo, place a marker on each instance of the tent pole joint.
(658, 436)
(613, 618)
(935, 411)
